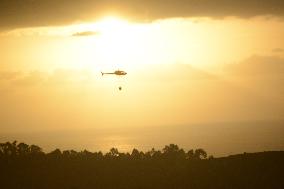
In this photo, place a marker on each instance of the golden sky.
(194, 69)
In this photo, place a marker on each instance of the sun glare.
(119, 43)
(111, 23)
(114, 44)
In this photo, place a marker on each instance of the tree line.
(171, 151)
(24, 166)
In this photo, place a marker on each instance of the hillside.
(27, 167)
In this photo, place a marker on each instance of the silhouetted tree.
(200, 154)
(135, 154)
(73, 153)
(66, 153)
(190, 154)
(23, 149)
(36, 150)
(172, 151)
(9, 149)
(55, 153)
(113, 153)
(155, 154)
(98, 155)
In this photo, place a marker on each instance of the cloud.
(69, 76)
(85, 34)
(172, 73)
(29, 13)
(278, 50)
(31, 79)
(9, 75)
(258, 65)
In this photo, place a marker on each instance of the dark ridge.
(28, 167)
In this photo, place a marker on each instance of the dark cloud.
(258, 65)
(28, 13)
(85, 33)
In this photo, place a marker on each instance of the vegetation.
(27, 166)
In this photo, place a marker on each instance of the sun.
(119, 43)
(111, 23)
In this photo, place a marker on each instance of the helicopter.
(117, 72)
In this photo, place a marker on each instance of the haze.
(200, 74)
